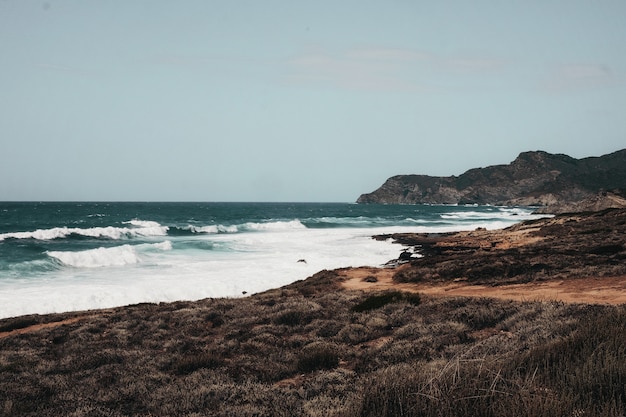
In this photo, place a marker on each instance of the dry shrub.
(483, 313)
(191, 363)
(453, 388)
(352, 334)
(581, 374)
(318, 355)
(8, 325)
(329, 328)
(380, 300)
(331, 382)
(293, 318)
(589, 366)
(378, 323)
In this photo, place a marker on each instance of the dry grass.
(298, 351)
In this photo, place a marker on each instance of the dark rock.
(532, 179)
(405, 256)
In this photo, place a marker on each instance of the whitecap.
(103, 257)
(166, 245)
(143, 223)
(99, 257)
(275, 226)
(145, 229)
(214, 229)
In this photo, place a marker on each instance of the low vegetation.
(380, 300)
(310, 349)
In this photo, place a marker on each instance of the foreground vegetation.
(311, 349)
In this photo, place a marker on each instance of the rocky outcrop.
(565, 246)
(532, 179)
(601, 201)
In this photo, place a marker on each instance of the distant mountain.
(533, 179)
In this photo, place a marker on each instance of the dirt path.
(36, 327)
(605, 290)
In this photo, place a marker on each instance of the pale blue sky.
(296, 101)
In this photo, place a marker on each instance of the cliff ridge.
(534, 178)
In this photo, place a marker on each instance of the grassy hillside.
(312, 349)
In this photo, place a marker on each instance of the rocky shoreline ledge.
(577, 257)
(355, 341)
(579, 245)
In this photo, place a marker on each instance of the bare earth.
(36, 327)
(574, 258)
(605, 290)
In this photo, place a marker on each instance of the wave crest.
(141, 229)
(103, 257)
(274, 226)
(99, 257)
(248, 227)
(214, 229)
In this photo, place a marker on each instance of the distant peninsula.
(555, 182)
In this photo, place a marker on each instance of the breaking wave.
(501, 213)
(102, 257)
(141, 229)
(274, 226)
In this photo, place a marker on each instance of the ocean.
(58, 257)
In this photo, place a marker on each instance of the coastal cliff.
(535, 178)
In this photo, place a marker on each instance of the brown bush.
(440, 357)
(318, 355)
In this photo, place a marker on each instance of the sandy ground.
(36, 327)
(604, 290)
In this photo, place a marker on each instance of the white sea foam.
(214, 228)
(104, 257)
(417, 221)
(166, 245)
(258, 257)
(248, 227)
(159, 272)
(510, 214)
(358, 221)
(143, 229)
(143, 223)
(99, 257)
(274, 226)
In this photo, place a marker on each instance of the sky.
(206, 100)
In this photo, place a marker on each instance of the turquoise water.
(75, 256)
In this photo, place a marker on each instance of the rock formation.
(566, 246)
(532, 179)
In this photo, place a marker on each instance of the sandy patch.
(36, 327)
(604, 290)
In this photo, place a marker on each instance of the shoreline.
(573, 258)
(467, 249)
(334, 345)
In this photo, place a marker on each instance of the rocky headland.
(555, 182)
